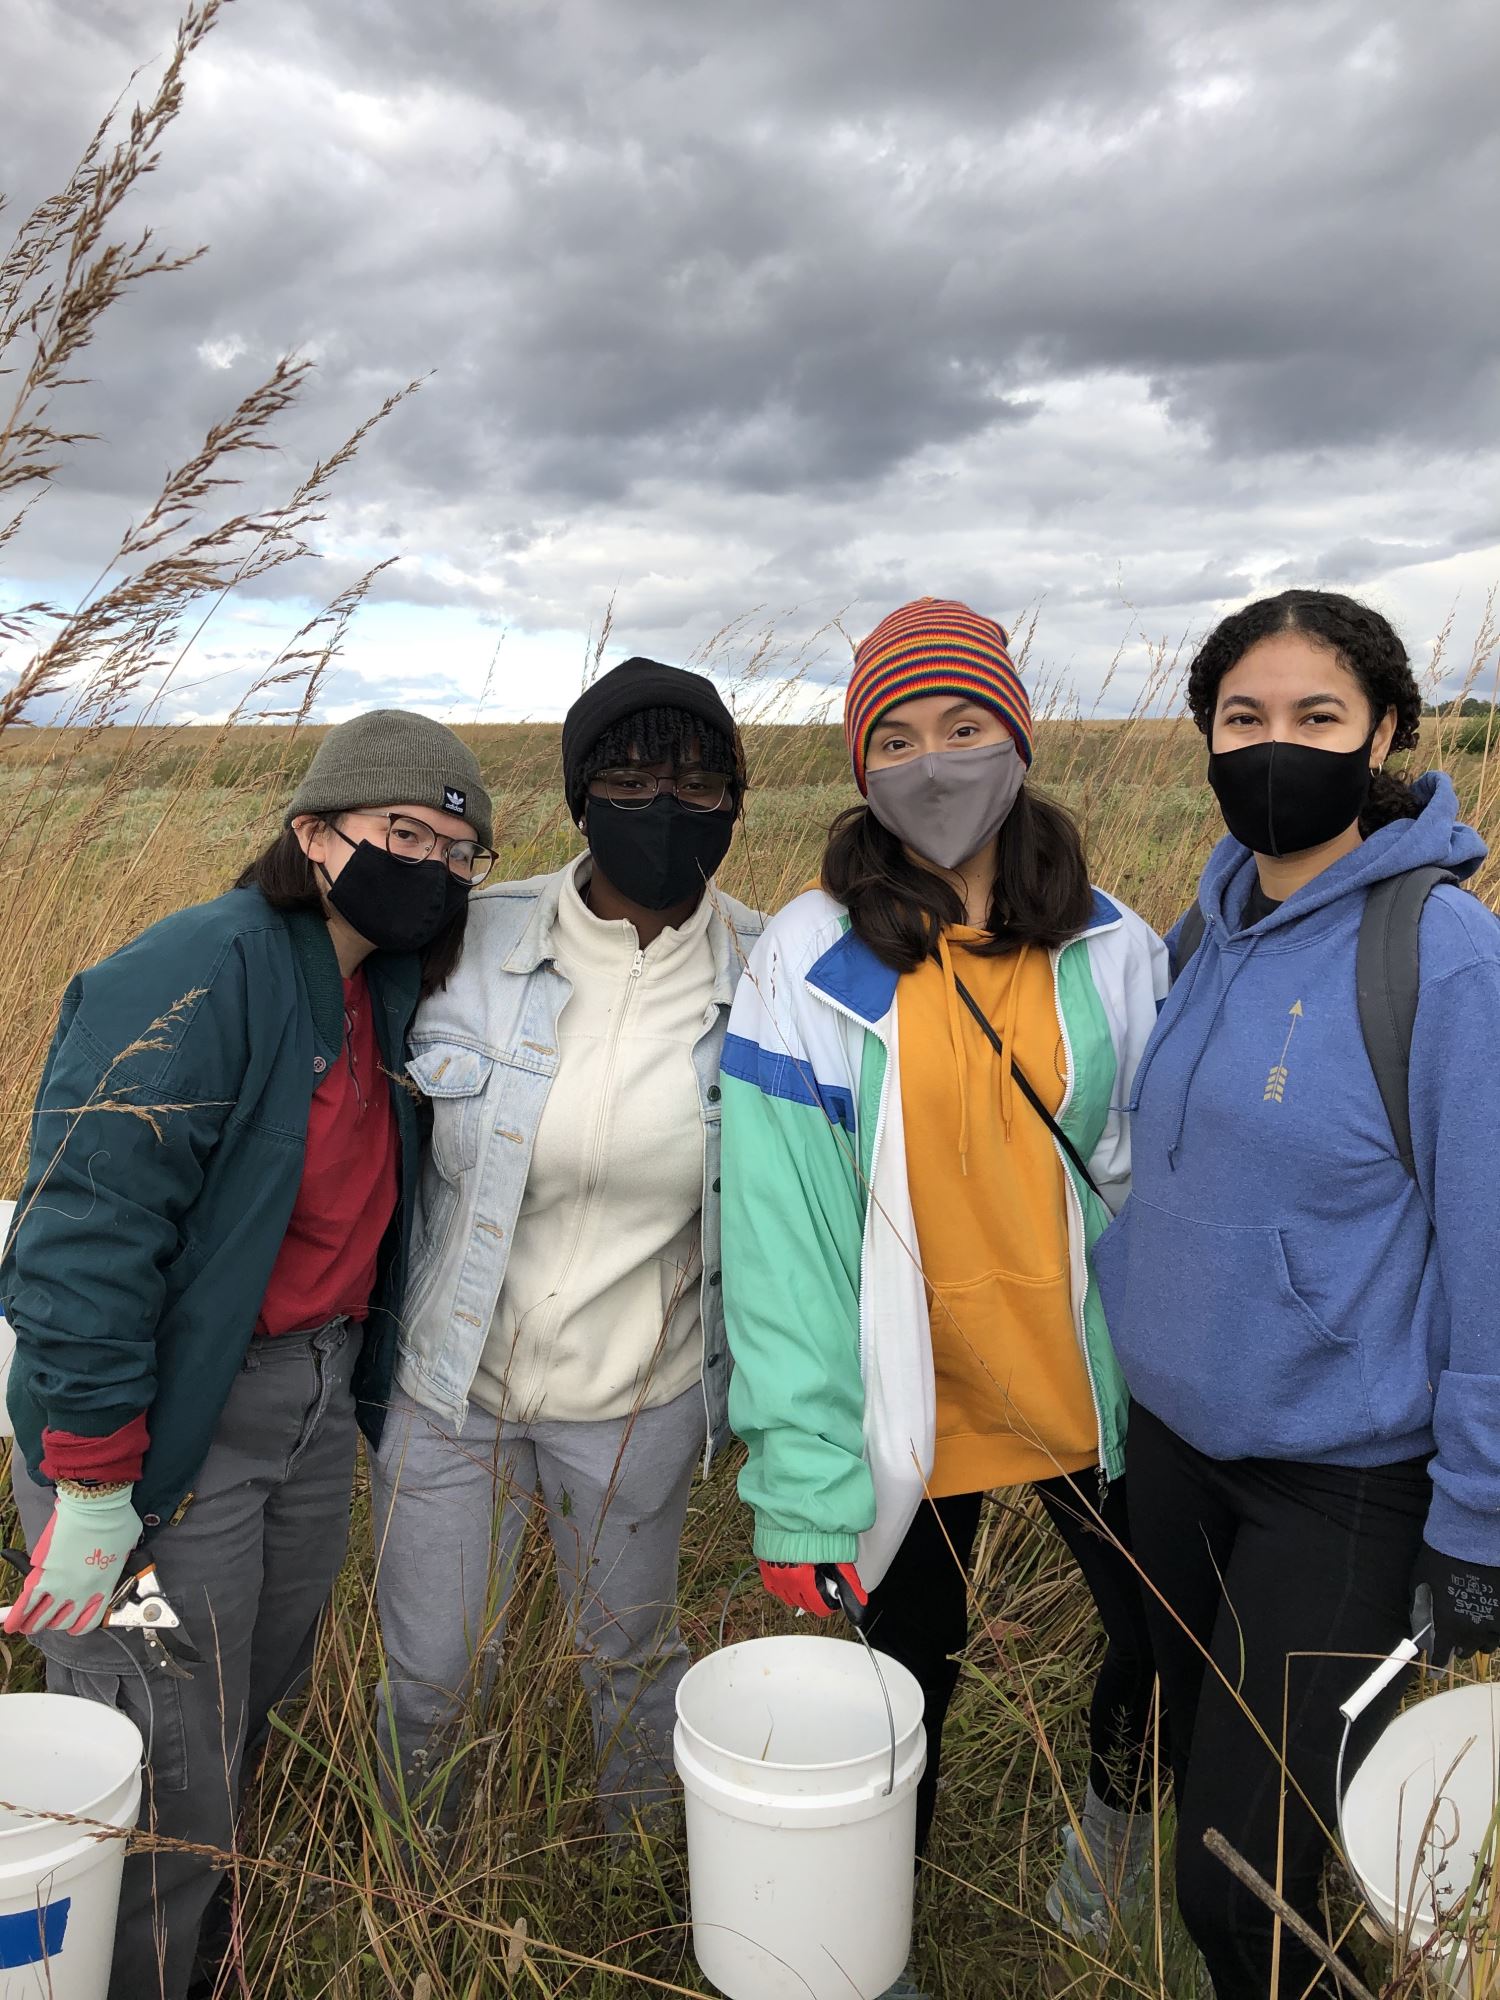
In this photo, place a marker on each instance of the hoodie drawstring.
(956, 1041)
(960, 1047)
(1242, 959)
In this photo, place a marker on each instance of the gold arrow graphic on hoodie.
(1276, 1081)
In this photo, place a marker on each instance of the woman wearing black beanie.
(564, 1339)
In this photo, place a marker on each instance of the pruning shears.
(140, 1605)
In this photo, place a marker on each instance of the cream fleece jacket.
(600, 1312)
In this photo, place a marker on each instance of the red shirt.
(347, 1196)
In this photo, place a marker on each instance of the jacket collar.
(850, 974)
(728, 923)
(394, 979)
(313, 950)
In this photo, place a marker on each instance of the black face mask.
(396, 905)
(657, 855)
(1282, 798)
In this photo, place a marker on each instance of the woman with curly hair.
(563, 1348)
(1304, 1307)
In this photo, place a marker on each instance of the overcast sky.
(786, 313)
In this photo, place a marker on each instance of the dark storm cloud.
(804, 304)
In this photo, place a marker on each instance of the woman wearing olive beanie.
(205, 1300)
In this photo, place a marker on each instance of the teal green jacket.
(824, 1300)
(165, 1160)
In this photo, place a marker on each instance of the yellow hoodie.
(1013, 1398)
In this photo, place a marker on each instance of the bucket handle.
(1376, 1682)
(831, 1588)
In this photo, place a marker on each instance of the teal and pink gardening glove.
(78, 1562)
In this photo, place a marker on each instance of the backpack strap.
(1388, 982)
(1189, 936)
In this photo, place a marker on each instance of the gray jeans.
(450, 1513)
(248, 1569)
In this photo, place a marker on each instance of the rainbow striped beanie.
(935, 645)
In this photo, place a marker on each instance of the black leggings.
(1265, 1561)
(919, 1614)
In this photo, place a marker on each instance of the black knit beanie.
(624, 690)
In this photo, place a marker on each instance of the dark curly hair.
(662, 736)
(1362, 640)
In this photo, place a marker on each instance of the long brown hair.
(1042, 893)
(285, 877)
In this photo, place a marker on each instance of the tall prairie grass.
(109, 819)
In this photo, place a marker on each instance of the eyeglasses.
(630, 788)
(414, 840)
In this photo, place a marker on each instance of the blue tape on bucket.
(31, 1936)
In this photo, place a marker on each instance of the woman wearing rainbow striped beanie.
(924, 1133)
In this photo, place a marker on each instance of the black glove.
(1455, 1607)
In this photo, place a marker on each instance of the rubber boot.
(1106, 1869)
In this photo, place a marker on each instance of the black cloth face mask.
(658, 855)
(1282, 798)
(395, 905)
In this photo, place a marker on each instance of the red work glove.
(797, 1584)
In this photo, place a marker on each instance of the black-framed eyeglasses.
(414, 840)
(630, 788)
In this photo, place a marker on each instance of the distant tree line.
(1472, 706)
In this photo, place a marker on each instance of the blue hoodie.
(1277, 1286)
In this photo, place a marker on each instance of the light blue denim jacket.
(484, 1051)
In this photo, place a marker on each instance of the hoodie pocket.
(1216, 1340)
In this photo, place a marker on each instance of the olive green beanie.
(392, 757)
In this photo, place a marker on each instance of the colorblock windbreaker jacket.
(827, 1314)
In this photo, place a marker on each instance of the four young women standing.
(939, 1077)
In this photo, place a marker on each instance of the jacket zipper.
(866, 1028)
(1074, 1203)
(591, 1179)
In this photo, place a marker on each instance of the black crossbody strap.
(1026, 1090)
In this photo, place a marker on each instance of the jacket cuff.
(1460, 1532)
(793, 1545)
(1464, 1519)
(115, 1460)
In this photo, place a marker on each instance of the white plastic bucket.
(60, 1884)
(799, 1858)
(7, 1338)
(1419, 1814)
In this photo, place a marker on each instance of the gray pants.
(248, 1569)
(450, 1513)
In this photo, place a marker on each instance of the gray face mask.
(947, 807)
